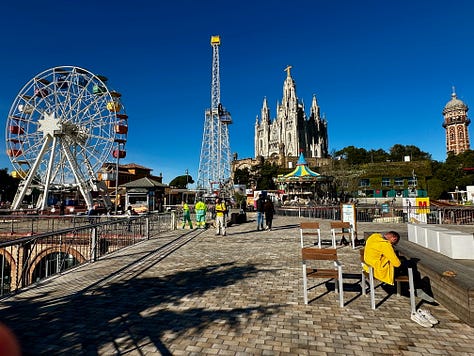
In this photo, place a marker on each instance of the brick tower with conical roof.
(455, 124)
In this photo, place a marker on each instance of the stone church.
(291, 132)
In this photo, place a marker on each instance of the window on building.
(412, 181)
(385, 182)
(398, 182)
(365, 182)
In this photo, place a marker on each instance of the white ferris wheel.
(62, 126)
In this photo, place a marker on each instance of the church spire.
(314, 108)
(289, 101)
(265, 111)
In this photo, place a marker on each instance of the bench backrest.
(309, 225)
(313, 253)
(340, 225)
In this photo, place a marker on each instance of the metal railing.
(25, 260)
(458, 215)
(28, 224)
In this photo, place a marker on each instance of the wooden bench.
(316, 257)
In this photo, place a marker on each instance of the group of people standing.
(201, 211)
(265, 209)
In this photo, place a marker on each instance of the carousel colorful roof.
(302, 172)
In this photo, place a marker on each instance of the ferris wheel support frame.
(24, 185)
(48, 174)
(82, 183)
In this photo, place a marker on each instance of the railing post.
(93, 244)
(147, 228)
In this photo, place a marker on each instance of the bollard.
(173, 220)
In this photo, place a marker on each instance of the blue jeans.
(259, 220)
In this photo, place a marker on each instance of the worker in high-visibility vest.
(186, 215)
(221, 210)
(201, 210)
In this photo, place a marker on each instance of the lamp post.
(117, 178)
(118, 152)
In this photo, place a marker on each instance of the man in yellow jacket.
(379, 254)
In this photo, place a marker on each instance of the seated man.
(380, 254)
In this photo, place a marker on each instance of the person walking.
(186, 215)
(259, 206)
(269, 210)
(221, 211)
(201, 210)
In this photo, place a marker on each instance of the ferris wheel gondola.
(61, 128)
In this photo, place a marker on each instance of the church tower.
(456, 123)
(291, 132)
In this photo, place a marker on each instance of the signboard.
(416, 209)
(349, 214)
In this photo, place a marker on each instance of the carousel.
(303, 186)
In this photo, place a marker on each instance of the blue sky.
(382, 70)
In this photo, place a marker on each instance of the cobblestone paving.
(235, 295)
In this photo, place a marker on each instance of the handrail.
(25, 260)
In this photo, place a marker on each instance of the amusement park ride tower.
(215, 160)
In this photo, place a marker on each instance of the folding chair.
(342, 228)
(310, 229)
(315, 256)
(398, 281)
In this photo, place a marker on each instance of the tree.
(398, 153)
(436, 188)
(182, 181)
(378, 156)
(354, 155)
(241, 176)
(268, 172)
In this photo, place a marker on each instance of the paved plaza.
(190, 292)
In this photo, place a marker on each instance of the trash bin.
(234, 218)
